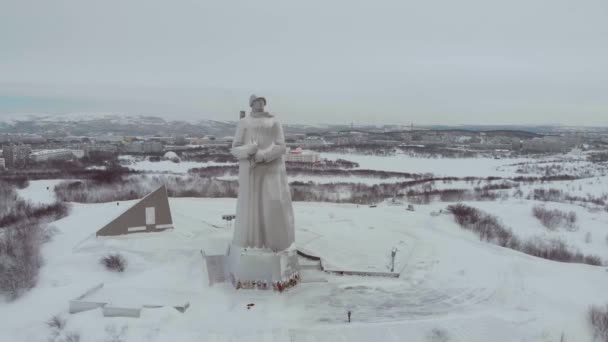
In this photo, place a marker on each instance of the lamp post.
(393, 254)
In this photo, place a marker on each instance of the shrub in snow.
(56, 323)
(554, 195)
(548, 249)
(451, 195)
(8, 198)
(114, 262)
(18, 211)
(518, 193)
(598, 318)
(464, 214)
(20, 258)
(22, 235)
(571, 221)
(47, 233)
(438, 335)
(113, 334)
(71, 336)
(487, 227)
(554, 218)
(548, 218)
(592, 260)
(558, 251)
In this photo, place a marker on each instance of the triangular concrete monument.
(151, 214)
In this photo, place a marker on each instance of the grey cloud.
(470, 61)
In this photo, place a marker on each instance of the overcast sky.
(317, 61)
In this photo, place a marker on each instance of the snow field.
(451, 284)
(450, 281)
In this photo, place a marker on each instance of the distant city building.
(180, 141)
(16, 155)
(74, 139)
(46, 155)
(166, 140)
(152, 147)
(2, 164)
(134, 147)
(199, 141)
(100, 149)
(21, 138)
(178, 147)
(547, 145)
(108, 139)
(144, 147)
(311, 141)
(302, 156)
(295, 136)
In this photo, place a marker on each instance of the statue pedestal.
(252, 268)
(249, 268)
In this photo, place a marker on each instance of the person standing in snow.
(264, 216)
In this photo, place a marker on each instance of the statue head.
(257, 103)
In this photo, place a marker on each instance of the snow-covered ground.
(517, 215)
(451, 283)
(40, 191)
(334, 179)
(594, 186)
(455, 167)
(459, 167)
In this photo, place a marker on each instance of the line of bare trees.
(557, 195)
(295, 169)
(202, 183)
(137, 186)
(490, 229)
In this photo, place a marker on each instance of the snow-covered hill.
(451, 284)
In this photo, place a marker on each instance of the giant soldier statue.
(262, 252)
(264, 216)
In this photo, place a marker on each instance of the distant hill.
(118, 124)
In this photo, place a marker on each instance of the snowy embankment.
(40, 191)
(590, 235)
(329, 179)
(451, 283)
(452, 167)
(166, 166)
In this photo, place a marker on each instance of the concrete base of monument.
(252, 268)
